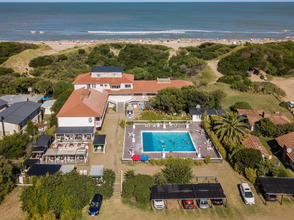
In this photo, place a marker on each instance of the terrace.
(133, 141)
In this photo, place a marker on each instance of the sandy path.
(213, 65)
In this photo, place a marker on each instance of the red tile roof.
(152, 86)
(84, 103)
(254, 143)
(86, 78)
(288, 140)
(254, 115)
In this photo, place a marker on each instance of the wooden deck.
(199, 142)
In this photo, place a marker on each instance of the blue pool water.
(175, 141)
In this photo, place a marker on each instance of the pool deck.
(138, 148)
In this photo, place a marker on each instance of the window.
(94, 86)
(115, 87)
(101, 85)
(98, 75)
(105, 85)
(127, 85)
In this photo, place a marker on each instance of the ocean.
(91, 21)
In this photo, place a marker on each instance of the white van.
(158, 204)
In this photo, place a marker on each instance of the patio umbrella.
(144, 157)
(136, 157)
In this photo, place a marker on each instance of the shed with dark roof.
(44, 140)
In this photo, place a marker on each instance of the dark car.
(217, 201)
(95, 205)
(270, 197)
(188, 204)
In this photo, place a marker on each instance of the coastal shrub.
(116, 45)
(178, 172)
(129, 174)
(207, 159)
(81, 51)
(64, 195)
(247, 158)
(262, 77)
(240, 105)
(251, 174)
(284, 105)
(197, 162)
(62, 57)
(8, 49)
(152, 161)
(139, 187)
(122, 123)
(41, 61)
(189, 161)
(14, 146)
(7, 177)
(272, 58)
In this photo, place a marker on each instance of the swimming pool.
(173, 141)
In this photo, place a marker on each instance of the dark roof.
(38, 149)
(99, 139)
(209, 111)
(188, 191)
(43, 140)
(43, 169)
(74, 130)
(2, 102)
(31, 161)
(19, 111)
(277, 185)
(106, 69)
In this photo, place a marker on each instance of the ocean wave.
(183, 32)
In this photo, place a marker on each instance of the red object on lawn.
(136, 157)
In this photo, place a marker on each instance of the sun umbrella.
(144, 157)
(136, 157)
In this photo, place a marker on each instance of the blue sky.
(146, 1)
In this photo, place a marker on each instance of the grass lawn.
(205, 75)
(256, 101)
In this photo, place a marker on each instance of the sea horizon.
(156, 20)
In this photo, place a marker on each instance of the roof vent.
(198, 106)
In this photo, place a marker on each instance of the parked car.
(158, 204)
(291, 104)
(188, 204)
(203, 203)
(95, 205)
(247, 194)
(217, 201)
(269, 197)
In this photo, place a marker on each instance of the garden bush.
(251, 174)
(207, 159)
(152, 161)
(247, 158)
(284, 105)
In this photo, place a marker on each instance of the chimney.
(266, 114)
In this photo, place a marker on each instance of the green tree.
(139, 73)
(267, 127)
(14, 146)
(31, 128)
(178, 172)
(44, 86)
(247, 158)
(231, 128)
(61, 100)
(7, 177)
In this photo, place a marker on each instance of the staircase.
(116, 187)
(120, 107)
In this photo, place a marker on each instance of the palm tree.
(231, 129)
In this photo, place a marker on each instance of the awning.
(39, 150)
(74, 130)
(31, 161)
(96, 171)
(51, 152)
(81, 152)
(43, 140)
(65, 152)
(99, 139)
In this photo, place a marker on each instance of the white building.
(47, 107)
